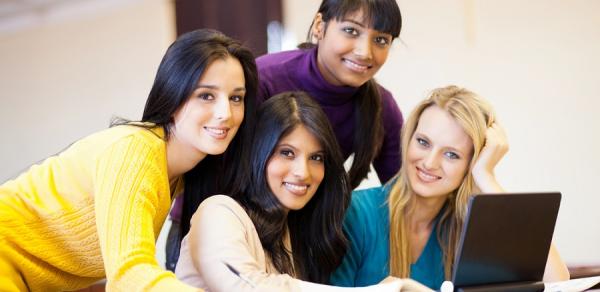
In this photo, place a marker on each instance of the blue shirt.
(367, 226)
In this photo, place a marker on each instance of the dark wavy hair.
(318, 242)
(384, 16)
(178, 73)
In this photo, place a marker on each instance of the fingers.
(410, 285)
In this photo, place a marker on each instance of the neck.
(425, 211)
(181, 157)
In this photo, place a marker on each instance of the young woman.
(285, 225)
(349, 42)
(410, 227)
(94, 210)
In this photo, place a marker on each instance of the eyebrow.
(354, 21)
(216, 87)
(320, 151)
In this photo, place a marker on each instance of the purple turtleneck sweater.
(298, 70)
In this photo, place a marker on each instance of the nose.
(362, 48)
(222, 109)
(432, 160)
(300, 169)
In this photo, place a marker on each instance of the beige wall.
(66, 78)
(538, 62)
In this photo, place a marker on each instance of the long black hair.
(384, 16)
(178, 73)
(317, 240)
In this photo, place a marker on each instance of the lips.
(217, 132)
(298, 189)
(357, 66)
(426, 176)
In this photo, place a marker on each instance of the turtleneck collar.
(313, 81)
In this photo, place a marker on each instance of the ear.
(318, 28)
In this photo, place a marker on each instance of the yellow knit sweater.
(93, 211)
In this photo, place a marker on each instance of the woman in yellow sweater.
(95, 210)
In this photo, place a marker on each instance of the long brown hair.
(474, 115)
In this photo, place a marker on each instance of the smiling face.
(438, 154)
(296, 168)
(349, 51)
(209, 119)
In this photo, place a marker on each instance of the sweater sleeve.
(388, 161)
(345, 275)
(130, 195)
(220, 234)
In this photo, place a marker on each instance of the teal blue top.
(367, 226)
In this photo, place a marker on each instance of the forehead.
(301, 138)
(443, 130)
(223, 70)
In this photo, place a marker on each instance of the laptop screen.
(505, 238)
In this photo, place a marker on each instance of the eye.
(451, 155)
(422, 142)
(237, 98)
(206, 96)
(286, 152)
(382, 41)
(350, 30)
(318, 157)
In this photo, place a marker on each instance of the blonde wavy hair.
(474, 115)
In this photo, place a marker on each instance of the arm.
(131, 190)
(388, 161)
(221, 232)
(496, 146)
(354, 228)
(556, 270)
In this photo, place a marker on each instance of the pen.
(237, 273)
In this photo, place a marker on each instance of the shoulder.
(391, 110)
(367, 205)
(370, 198)
(270, 62)
(221, 206)
(126, 134)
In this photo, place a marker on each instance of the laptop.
(505, 242)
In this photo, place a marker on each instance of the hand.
(407, 285)
(494, 148)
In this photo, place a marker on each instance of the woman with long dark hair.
(95, 210)
(283, 229)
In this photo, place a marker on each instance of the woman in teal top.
(410, 227)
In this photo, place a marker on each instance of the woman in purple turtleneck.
(348, 42)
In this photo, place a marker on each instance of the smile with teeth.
(297, 189)
(427, 177)
(218, 133)
(357, 67)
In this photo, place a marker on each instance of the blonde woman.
(410, 226)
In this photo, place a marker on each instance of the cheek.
(318, 173)
(276, 170)
(458, 173)
(382, 55)
(238, 115)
